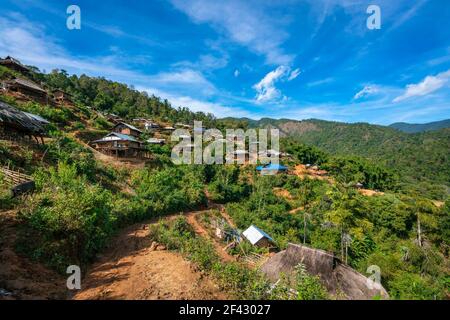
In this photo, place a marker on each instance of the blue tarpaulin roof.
(272, 166)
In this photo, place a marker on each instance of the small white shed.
(257, 237)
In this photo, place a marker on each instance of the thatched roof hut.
(22, 122)
(14, 64)
(335, 276)
(27, 88)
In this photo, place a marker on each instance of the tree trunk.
(419, 232)
(304, 227)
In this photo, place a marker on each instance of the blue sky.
(295, 59)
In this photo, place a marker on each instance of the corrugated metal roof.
(13, 116)
(156, 140)
(36, 117)
(120, 136)
(254, 234)
(129, 126)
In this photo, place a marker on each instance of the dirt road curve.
(129, 269)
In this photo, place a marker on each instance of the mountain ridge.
(400, 126)
(421, 127)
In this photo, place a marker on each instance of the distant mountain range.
(414, 128)
(295, 125)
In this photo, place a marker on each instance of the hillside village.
(81, 184)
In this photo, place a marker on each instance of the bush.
(355, 169)
(169, 190)
(408, 286)
(102, 124)
(68, 222)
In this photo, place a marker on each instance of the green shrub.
(68, 222)
(408, 286)
(169, 190)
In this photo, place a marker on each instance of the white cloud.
(236, 73)
(266, 90)
(366, 91)
(426, 86)
(243, 22)
(206, 62)
(294, 74)
(197, 105)
(19, 35)
(320, 82)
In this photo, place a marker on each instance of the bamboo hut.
(121, 146)
(62, 98)
(14, 64)
(14, 122)
(23, 88)
(127, 129)
(337, 277)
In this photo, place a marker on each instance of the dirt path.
(130, 269)
(201, 231)
(20, 277)
(370, 193)
(302, 171)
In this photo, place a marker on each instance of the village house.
(14, 64)
(127, 129)
(149, 126)
(22, 87)
(168, 128)
(156, 141)
(62, 98)
(121, 145)
(141, 122)
(182, 125)
(15, 123)
(113, 118)
(257, 237)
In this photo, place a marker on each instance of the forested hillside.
(420, 158)
(117, 98)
